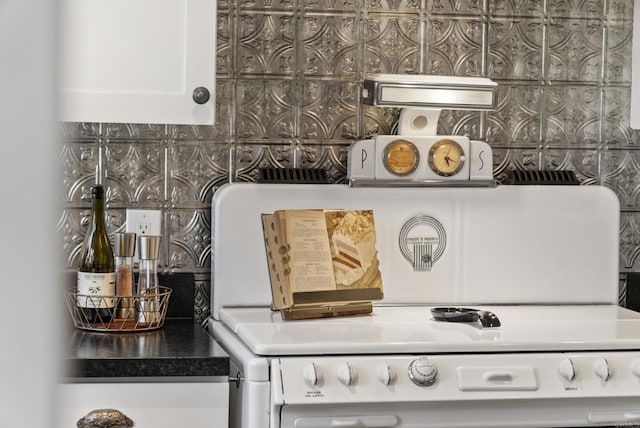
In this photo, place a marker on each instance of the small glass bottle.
(148, 302)
(125, 249)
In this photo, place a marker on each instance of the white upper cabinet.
(137, 61)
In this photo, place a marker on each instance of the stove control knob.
(422, 372)
(385, 374)
(567, 370)
(312, 374)
(347, 375)
(602, 369)
(635, 368)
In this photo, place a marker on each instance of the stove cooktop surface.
(412, 329)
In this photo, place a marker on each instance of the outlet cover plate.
(144, 222)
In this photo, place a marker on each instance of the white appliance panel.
(510, 244)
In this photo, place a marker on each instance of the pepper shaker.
(125, 249)
(148, 304)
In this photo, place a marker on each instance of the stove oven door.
(494, 413)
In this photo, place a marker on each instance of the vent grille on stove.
(544, 177)
(293, 175)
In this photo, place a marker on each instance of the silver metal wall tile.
(584, 162)
(378, 121)
(621, 172)
(392, 43)
(630, 241)
(196, 169)
(329, 110)
(202, 297)
(515, 48)
(457, 7)
(78, 162)
(190, 244)
(331, 45)
(575, 8)
(506, 159)
(132, 131)
(455, 46)
(266, 44)
(265, 109)
(393, 5)
(79, 130)
(618, 50)
(261, 5)
(135, 172)
(249, 158)
(575, 50)
(572, 116)
(516, 121)
(330, 158)
(619, 8)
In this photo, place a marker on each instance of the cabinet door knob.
(105, 418)
(201, 95)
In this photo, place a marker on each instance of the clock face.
(401, 157)
(446, 158)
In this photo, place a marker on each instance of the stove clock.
(416, 155)
(446, 158)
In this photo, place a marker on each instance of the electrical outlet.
(144, 222)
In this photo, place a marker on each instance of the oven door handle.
(614, 417)
(371, 421)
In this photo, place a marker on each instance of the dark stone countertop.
(180, 348)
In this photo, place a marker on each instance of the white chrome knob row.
(423, 373)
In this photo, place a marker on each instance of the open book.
(322, 262)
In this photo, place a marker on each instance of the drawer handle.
(105, 418)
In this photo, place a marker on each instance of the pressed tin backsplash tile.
(289, 75)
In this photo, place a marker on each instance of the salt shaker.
(125, 249)
(148, 304)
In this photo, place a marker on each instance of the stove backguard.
(503, 245)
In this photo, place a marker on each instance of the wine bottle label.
(96, 290)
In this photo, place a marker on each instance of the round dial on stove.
(401, 157)
(446, 157)
(347, 374)
(312, 374)
(385, 374)
(567, 369)
(422, 372)
(603, 369)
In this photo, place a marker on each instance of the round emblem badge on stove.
(422, 241)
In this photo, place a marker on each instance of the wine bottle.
(97, 273)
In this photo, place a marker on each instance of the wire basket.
(117, 313)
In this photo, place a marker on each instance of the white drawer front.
(149, 405)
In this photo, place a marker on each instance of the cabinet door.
(137, 61)
(148, 405)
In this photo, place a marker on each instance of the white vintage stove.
(500, 302)
(542, 259)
